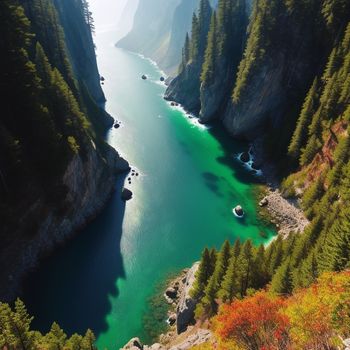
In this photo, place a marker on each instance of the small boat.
(238, 211)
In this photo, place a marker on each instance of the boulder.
(102, 78)
(172, 319)
(162, 79)
(126, 194)
(116, 126)
(144, 77)
(155, 346)
(263, 202)
(133, 344)
(244, 157)
(239, 211)
(171, 293)
(186, 306)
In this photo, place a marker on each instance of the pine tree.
(313, 194)
(274, 261)
(245, 267)
(204, 16)
(229, 286)
(311, 149)
(260, 275)
(300, 134)
(308, 271)
(88, 341)
(195, 35)
(208, 306)
(222, 262)
(208, 69)
(336, 250)
(43, 66)
(282, 282)
(202, 275)
(56, 337)
(20, 324)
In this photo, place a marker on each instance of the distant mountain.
(159, 31)
(127, 17)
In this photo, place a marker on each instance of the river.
(189, 181)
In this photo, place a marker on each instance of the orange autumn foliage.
(320, 315)
(314, 318)
(254, 323)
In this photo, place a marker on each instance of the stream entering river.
(189, 181)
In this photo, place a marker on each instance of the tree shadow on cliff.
(73, 285)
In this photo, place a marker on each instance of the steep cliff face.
(275, 73)
(184, 88)
(215, 89)
(80, 45)
(43, 223)
(56, 171)
(204, 84)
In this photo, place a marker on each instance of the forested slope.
(56, 171)
(288, 93)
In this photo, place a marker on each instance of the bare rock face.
(186, 306)
(260, 105)
(214, 96)
(184, 89)
(88, 183)
(201, 336)
(133, 344)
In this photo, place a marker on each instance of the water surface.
(189, 181)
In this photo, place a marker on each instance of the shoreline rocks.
(126, 194)
(186, 336)
(287, 217)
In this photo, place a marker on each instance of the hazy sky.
(107, 13)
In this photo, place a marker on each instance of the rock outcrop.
(184, 89)
(186, 305)
(195, 337)
(87, 184)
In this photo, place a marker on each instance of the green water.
(189, 182)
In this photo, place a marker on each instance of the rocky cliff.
(255, 73)
(56, 172)
(87, 184)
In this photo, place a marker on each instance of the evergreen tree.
(208, 69)
(208, 306)
(245, 267)
(260, 275)
(88, 341)
(282, 282)
(195, 37)
(336, 250)
(229, 286)
(300, 134)
(222, 262)
(202, 275)
(311, 149)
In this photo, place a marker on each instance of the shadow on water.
(72, 286)
(212, 182)
(231, 149)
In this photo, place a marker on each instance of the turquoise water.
(189, 182)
